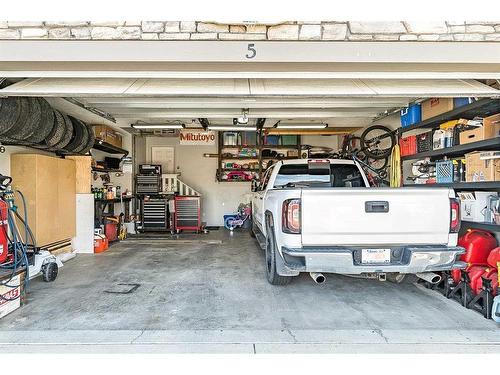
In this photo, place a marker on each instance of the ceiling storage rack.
(109, 148)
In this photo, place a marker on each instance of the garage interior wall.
(199, 172)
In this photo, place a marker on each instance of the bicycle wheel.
(378, 141)
(378, 164)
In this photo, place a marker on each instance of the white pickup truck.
(321, 216)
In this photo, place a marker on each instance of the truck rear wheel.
(252, 228)
(272, 275)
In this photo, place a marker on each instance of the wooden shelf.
(238, 170)
(482, 108)
(235, 181)
(291, 147)
(115, 200)
(106, 170)
(493, 185)
(488, 144)
(239, 147)
(280, 158)
(239, 157)
(108, 147)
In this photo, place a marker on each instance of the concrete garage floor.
(213, 297)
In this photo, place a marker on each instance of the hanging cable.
(395, 170)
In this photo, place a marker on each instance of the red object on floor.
(491, 274)
(494, 258)
(478, 244)
(475, 274)
(4, 245)
(111, 231)
(100, 243)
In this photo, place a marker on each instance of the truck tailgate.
(340, 217)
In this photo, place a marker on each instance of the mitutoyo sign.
(196, 137)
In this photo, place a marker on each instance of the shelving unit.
(488, 144)
(106, 170)
(109, 148)
(481, 108)
(494, 185)
(484, 226)
(259, 159)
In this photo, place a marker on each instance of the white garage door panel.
(437, 87)
(81, 87)
(70, 86)
(239, 102)
(190, 87)
(323, 87)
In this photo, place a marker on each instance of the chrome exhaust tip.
(318, 277)
(430, 277)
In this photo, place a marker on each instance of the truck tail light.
(291, 216)
(454, 215)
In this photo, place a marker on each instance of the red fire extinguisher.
(4, 246)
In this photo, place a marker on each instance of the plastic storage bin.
(444, 172)
(411, 115)
(289, 140)
(424, 142)
(272, 140)
(459, 102)
(408, 145)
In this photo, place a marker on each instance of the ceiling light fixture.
(157, 126)
(243, 119)
(233, 128)
(301, 126)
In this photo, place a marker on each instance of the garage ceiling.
(339, 102)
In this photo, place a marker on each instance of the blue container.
(411, 115)
(495, 311)
(460, 102)
(272, 140)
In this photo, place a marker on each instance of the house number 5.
(251, 51)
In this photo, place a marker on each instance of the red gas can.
(478, 244)
(4, 246)
(494, 258)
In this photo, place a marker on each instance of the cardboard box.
(473, 205)
(108, 134)
(6, 307)
(436, 106)
(480, 168)
(490, 129)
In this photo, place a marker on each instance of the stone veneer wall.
(194, 30)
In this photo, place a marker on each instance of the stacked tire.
(32, 122)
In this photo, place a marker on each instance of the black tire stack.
(32, 122)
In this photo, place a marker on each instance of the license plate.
(375, 256)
